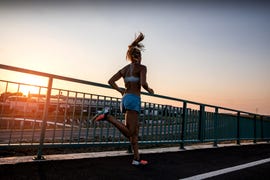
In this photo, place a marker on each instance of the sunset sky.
(213, 53)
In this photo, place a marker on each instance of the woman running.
(134, 76)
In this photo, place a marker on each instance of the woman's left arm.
(144, 84)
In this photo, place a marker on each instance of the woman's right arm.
(144, 84)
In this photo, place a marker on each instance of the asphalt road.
(172, 165)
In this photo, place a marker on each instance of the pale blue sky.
(215, 53)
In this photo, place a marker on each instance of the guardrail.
(61, 117)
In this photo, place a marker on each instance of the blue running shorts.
(131, 102)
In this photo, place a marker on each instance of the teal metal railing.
(62, 117)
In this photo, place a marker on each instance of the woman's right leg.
(119, 125)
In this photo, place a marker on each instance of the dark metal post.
(215, 127)
(129, 149)
(201, 123)
(255, 129)
(262, 135)
(44, 120)
(183, 130)
(238, 128)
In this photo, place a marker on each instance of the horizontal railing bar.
(12, 68)
(42, 86)
(197, 103)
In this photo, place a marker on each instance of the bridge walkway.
(164, 163)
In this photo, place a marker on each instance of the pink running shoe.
(101, 115)
(140, 162)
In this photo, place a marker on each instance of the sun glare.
(31, 84)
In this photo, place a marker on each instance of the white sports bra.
(131, 78)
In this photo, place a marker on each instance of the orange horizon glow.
(23, 83)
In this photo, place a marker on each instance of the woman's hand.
(151, 91)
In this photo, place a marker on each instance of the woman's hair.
(135, 48)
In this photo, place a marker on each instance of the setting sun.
(28, 90)
(31, 84)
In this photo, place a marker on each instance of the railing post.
(183, 130)
(44, 121)
(255, 129)
(215, 127)
(129, 149)
(262, 135)
(238, 128)
(201, 123)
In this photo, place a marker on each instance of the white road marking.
(227, 170)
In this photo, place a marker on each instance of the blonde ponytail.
(135, 47)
